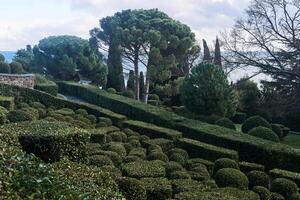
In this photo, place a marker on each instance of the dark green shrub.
(246, 167)
(116, 147)
(177, 157)
(50, 88)
(253, 122)
(239, 117)
(111, 90)
(82, 112)
(134, 142)
(258, 178)
(101, 124)
(154, 147)
(229, 177)
(225, 122)
(206, 91)
(139, 152)
(7, 102)
(276, 196)
(142, 169)
(144, 138)
(112, 170)
(179, 175)
(5, 68)
(182, 152)
(295, 196)
(199, 172)
(99, 160)
(116, 136)
(37, 105)
(157, 155)
(285, 187)
(157, 188)
(128, 93)
(129, 159)
(66, 112)
(188, 185)
(165, 144)
(280, 173)
(98, 137)
(263, 192)
(23, 105)
(194, 162)
(115, 158)
(128, 147)
(280, 130)
(173, 166)
(132, 188)
(224, 163)
(264, 133)
(92, 119)
(153, 97)
(20, 115)
(105, 120)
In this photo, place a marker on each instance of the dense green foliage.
(285, 187)
(264, 133)
(45, 85)
(225, 122)
(253, 122)
(229, 177)
(207, 91)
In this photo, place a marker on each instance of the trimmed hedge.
(255, 121)
(141, 169)
(7, 102)
(225, 122)
(250, 149)
(258, 178)
(48, 88)
(157, 188)
(229, 177)
(132, 188)
(280, 173)
(152, 130)
(263, 192)
(247, 167)
(205, 151)
(284, 186)
(224, 163)
(264, 133)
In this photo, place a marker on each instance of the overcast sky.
(27, 21)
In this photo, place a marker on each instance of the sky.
(28, 21)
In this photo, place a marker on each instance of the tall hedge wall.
(250, 148)
(27, 95)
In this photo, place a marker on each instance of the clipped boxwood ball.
(253, 122)
(284, 186)
(264, 133)
(111, 90)
(157, 155)
(179, 175)
(295, 196)
(263, 192)
(225, 122)
(276, 196)
(229, 177)
(132, 188)
(224, 163)
(258, 178)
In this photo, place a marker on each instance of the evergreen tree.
(142, 86)
(115, 78)
(217, 58)
(130, 82)
(206, 56)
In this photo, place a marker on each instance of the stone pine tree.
(206, 52)
(142, 85)
(131, 81)
(217, 58)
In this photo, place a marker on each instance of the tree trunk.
(136, 75)
(147, 86)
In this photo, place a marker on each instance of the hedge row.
(279, 173)
(152, 130)
(29, 95)
(205, 151)
(251, 149)
(48, 88)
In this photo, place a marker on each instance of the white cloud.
(205, 17)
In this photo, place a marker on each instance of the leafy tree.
(249, 96)
(145, 34)
(4, 68)
(2, 58)
(206, 91)
(16, 68)
(142, 86)
(218, 58)
(206, 52)
(63, 56)
(130, 81)
(26, 58)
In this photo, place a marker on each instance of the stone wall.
(22, 80)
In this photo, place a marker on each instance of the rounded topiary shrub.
(157, 155)
(173, 166)
(153, 97)
(253, 122)
(3, 113)
(82, 112)
(284, 186)
(179, 175)
(128, 93)
(295, 196)
(37, 105)
(20, 115)
(111, 90)
(264, 133)
(229, 177)
(276, 196)
(225, 122)
(100, 160)
(206, 91)
(199, 172)
(224, 163)
(258, 178)
(116, 147)
(132, 188)
(263, 192)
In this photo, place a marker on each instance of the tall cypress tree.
(217, 58)
(130, 82)
(206, 56)
(142, 86)
(115, 78)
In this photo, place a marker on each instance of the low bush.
(199, 172)
(165, 144)
(295, 196)
(100, 160)
(229, 177)
(264, 133)
(105, 120)
(3, 113)
(142, 169)
(258, 178)
(173, 166)
(20, 115)
(157, 155)
(115, 158)
(129, 159)
(7, 102)
(36, 105)
(239, 117)
(66, 112)
(263, 192)
(253, 122)
(48, 88)
(205, 151)
(246, 167)
(225, 122)
(111, 90)
(99, 138)
(132, 188)
(157, 188)
(194, 162)
(224, 163)
(276, 196)
(178, 157)
(284, 186)
(179, 175)
(280, 173)
(280, 130)
(116, 147)
(128, 94)
(92, 119)
(139, 152)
